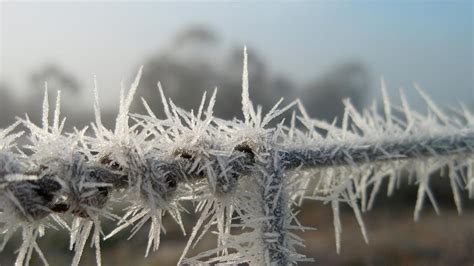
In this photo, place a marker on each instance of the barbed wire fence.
(244, 174)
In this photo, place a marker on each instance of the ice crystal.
(25, 197)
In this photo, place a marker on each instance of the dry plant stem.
(348, 153)
(274, 205)
(334, 154)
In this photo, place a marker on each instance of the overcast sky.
(405, 41)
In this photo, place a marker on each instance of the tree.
(6, 105)
(189, 68)
(56, 77)
(324, 97)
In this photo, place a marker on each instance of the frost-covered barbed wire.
(247, 177)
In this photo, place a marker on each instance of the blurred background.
(318, 51)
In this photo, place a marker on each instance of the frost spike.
(247, 107)
(386, 103)
(57, 111)
(97, 114)
(337, 224)
(164, 101)
(406, 110)
(201, 106)
(45, 108)
(432, 105)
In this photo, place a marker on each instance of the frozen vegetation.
(247, 177)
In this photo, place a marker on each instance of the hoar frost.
(247, 177)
